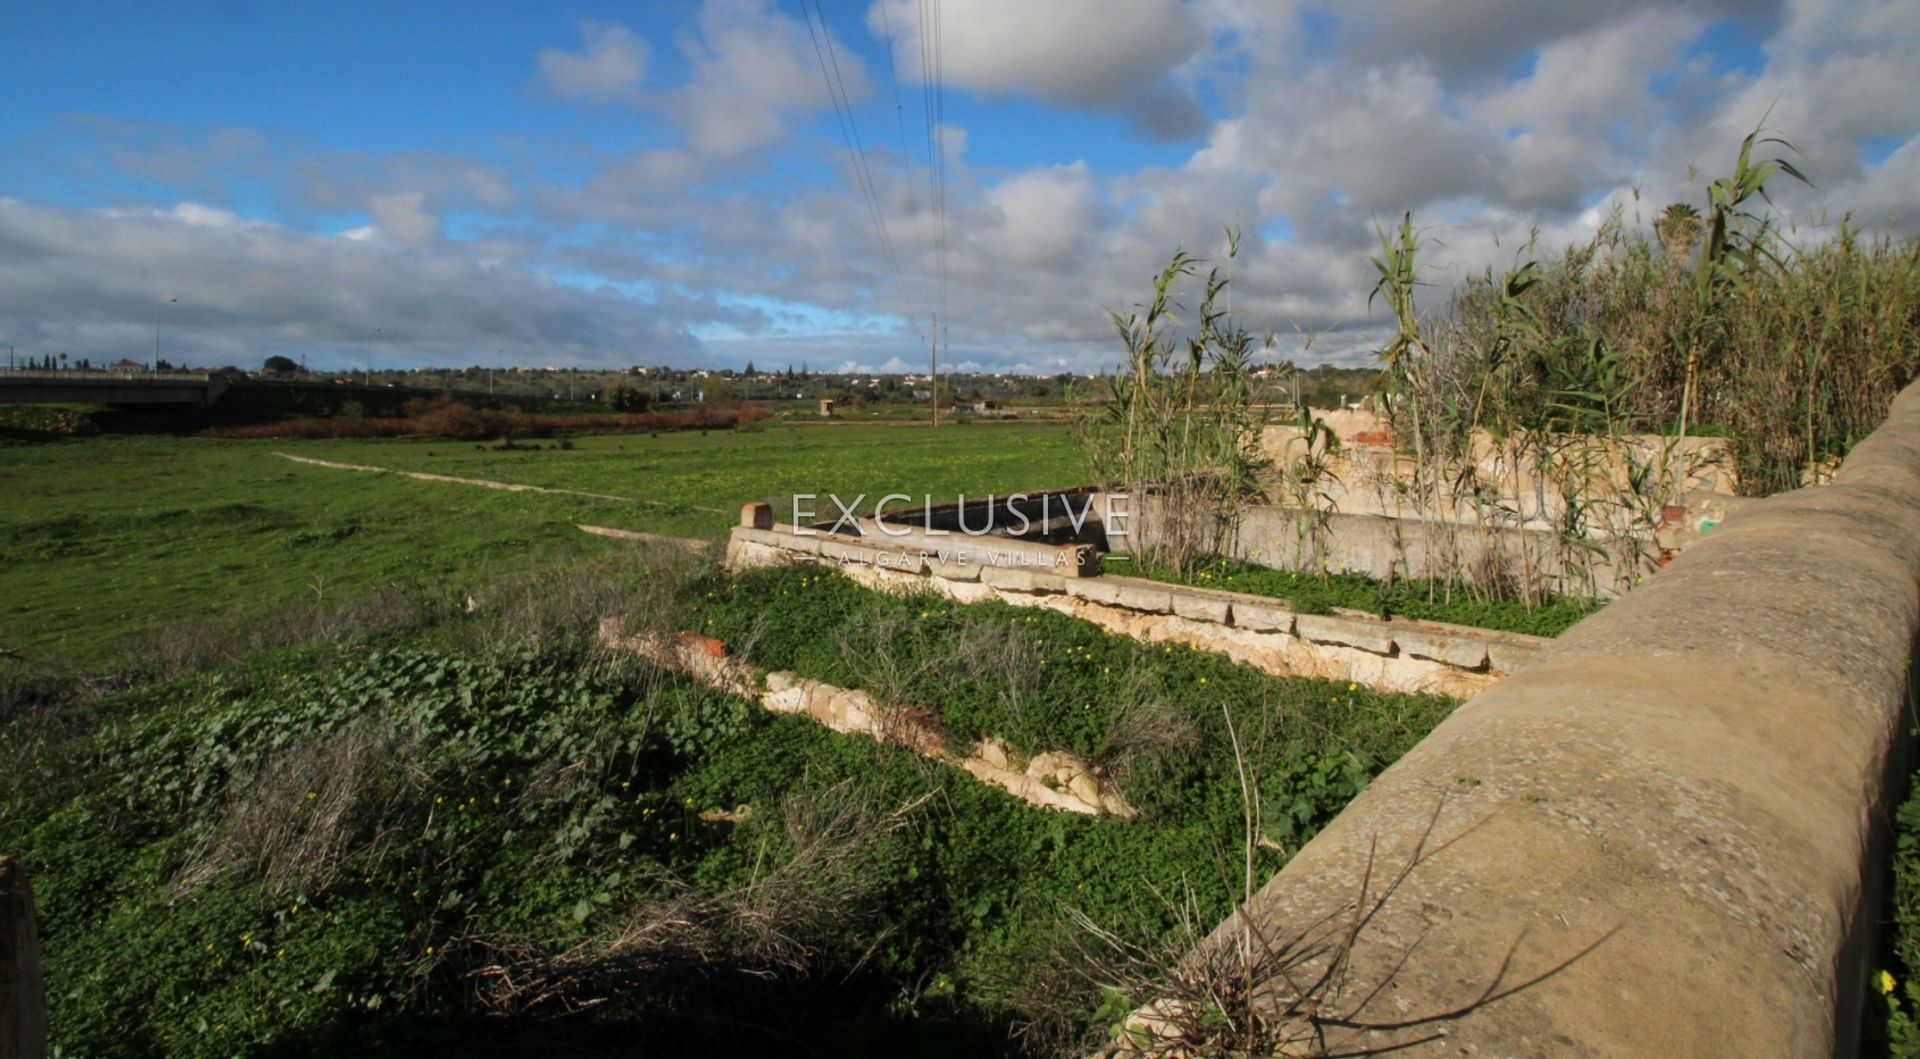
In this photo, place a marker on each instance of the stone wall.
(1664, 837)
(1050, 779)
(1392, 655)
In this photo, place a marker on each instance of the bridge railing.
(116, 375)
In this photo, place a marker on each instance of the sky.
(712, 182)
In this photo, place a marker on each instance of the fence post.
(23, 1010)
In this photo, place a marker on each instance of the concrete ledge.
(1257, 630)
(1269, 616)
(1670, 825)
(1018, 579)
(1095, 589)
(1204, 605)
(1375, 636)
(1455, 648)
(1133, 593)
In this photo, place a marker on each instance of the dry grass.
(293, 819)
(176, 649)
(1245, 988)
(679, 949)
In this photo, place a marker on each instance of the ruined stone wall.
(1665, 835)
(1391, 655)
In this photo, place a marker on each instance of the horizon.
(589, 188)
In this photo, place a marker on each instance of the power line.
(933, 98)
(849, 129)
(905, 158)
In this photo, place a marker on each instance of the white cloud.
(403, 217)
(1486, 118)
(608, 67)
(1045, 217)
(85, 281)
(1101, 55)
(753, 69)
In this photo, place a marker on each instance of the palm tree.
(1677, 229)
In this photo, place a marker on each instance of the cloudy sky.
(595, 184)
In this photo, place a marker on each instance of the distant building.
(126, 364)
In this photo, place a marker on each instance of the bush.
(626, 397)
(445, 417)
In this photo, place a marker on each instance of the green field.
(451, 824)
(104, 538)
(676, 475)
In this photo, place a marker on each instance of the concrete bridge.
(93, 386)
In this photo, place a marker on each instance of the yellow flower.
(1353, 687)
(1885, 982)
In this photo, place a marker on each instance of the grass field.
(104, 538)
(721, 470)
(400, 835)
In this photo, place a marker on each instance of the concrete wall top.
(1684, 796)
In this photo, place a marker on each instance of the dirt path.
(485, 483)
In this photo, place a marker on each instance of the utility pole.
(156, 330)
(366, 355)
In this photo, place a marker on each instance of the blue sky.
(616, 184)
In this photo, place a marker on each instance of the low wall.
(1050, 779)
(1392, 655)
(1664, 837)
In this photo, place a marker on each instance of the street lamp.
(156, 330)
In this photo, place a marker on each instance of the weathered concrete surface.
(23, 1011)
(1690, 788)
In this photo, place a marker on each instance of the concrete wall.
(1389, 546)
(1392, 655)
(1674, 818)
(112, 388)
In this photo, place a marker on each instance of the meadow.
(307, 760)
(104, 540)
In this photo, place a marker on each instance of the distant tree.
(626, 397)
(749, 367)
(1678, 227)
(279, 365)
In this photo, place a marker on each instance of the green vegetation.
(1422, 600)
(107, 539)
(1790, 344)
(29, 422)
(1893, 1013)
(1180, 426)
(724, 469)
(471, 832)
